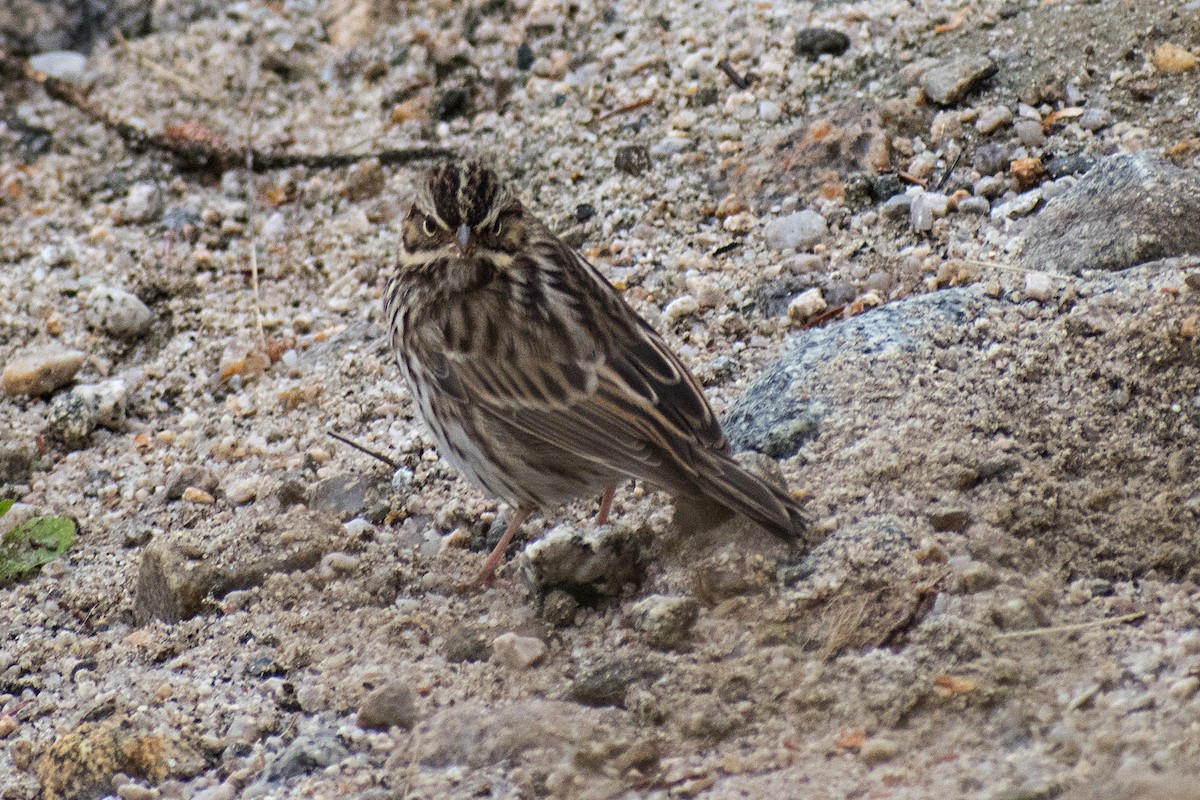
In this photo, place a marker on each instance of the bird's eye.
(428, 226)
(498, 228)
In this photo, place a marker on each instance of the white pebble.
(1039, 286)
(798, 231)
(769, 111)
(806, 305)
(681, 307)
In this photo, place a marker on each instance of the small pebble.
(992, 119)
(1094, 119)
(989, 186)
(1039, 286)
(518, 652)
(118, 313)
(1169, 57)
(665, 620)
(66, 65)
(925, 208)
(769, 111)
(1029, 132)
(806, 305)
(949, 518)
(948, 83)
(633, 159)
(144, 203)
(877, 751)
(897, 207)
(8, 724)
(41, 370)
(1019, 206)
(680, 307)
(193, 495)
(799, 231)
(974, 205)
(135, 791)
(70, 420)
(390, 705)
(812, 43)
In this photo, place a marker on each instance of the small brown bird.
(535, 378)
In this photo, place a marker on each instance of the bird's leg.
(605, 504)
(488, 573)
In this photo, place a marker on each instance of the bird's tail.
(729, 484)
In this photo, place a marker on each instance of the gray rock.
(590, 561)
(1095, 119)
(974, 205)
(948, 83)
(467, 643)
(1127, 210)
(388, 706)
(811, 43)
(74, 415)
(770, 417)
(1029, 131)
(798, 231)
(925, 208)
(118, 313)
(70, 421)
(897, 207)
(992, 118)
(665, 620)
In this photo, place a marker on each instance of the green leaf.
(33, 543)
(5, 505)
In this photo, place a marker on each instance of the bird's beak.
(463, 237)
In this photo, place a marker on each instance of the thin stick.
(1079, 626)
(734, 77)
(362, 448)
(198, 154)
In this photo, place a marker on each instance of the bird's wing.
(622, 399)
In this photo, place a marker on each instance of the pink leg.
(488, 573)
(605, 504)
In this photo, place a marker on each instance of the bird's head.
(463, 211)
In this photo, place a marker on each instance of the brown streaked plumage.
(535, 378)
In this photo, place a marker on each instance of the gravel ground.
(822, 206)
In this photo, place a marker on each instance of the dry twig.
(192, 148)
